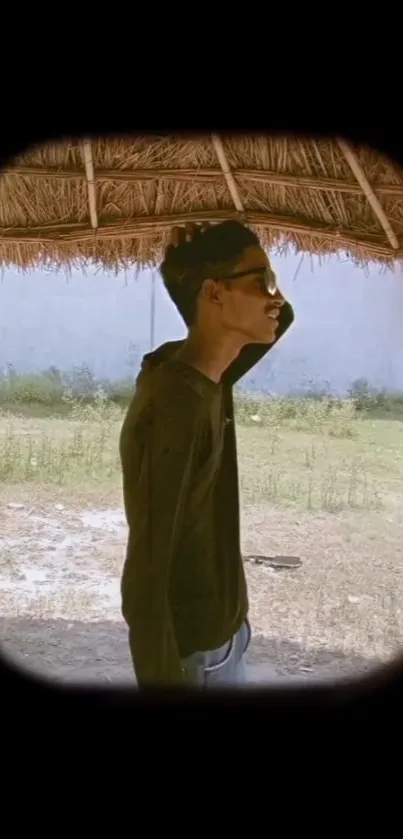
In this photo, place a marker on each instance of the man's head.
(219, 275)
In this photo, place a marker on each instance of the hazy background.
(348, 324)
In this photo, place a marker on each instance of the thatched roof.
(114, 201)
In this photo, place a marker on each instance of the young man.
(184, 594)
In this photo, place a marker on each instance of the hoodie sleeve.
(251, 354)
(155, 501)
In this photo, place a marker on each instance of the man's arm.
(156, 512)
(251, 354)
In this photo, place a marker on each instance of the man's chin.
(270, 333)
(266, 336)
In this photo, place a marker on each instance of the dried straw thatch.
(113, 200)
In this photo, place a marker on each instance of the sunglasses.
(268, 277)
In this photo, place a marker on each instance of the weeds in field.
(57, 450)
(330, 488)
(335, 417)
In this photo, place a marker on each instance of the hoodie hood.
(158, 356)
(153, 359)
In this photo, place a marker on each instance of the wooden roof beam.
(362, 179)
(89, 174)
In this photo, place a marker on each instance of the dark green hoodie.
(183, 585)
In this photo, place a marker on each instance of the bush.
(30, 389)
(54, 392)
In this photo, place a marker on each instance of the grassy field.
(320, 478)
(310, 454)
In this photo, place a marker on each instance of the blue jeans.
(222, 667)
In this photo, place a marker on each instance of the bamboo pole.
(226, 169)
(361, 177)
(89, 174)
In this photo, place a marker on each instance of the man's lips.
(273, 313)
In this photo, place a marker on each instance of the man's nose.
(277, 298)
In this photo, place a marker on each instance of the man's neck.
(210, 354)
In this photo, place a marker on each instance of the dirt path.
(60, 605)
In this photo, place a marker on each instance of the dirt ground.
(60, 563)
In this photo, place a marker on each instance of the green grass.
(315, 454)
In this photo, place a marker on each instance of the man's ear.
(211, 292)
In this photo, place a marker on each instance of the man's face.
(248, 308)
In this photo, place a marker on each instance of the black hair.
(211, 253)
